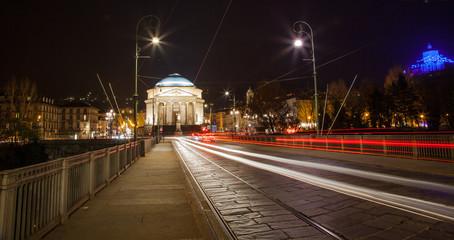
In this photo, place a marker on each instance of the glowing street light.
(298, 43)
(234, 112)
(298, 28)
(153, 23)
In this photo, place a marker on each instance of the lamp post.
(211, 122)
(298, 28)
(154, 24)
(234, 109)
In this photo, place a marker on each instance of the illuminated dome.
(174, 80)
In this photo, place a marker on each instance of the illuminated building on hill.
(431, 61)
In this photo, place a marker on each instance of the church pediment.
(176, 92)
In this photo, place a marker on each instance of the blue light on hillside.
(431, 61)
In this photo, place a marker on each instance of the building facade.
(174, 100)
(47, 118)
(78, 120)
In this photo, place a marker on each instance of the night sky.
(63, 44)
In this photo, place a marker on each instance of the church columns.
(186, 113)
(165, 113)
(193, 113)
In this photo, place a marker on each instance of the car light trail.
(428, 209)
(352, 172)
(355, 150)
(389, 143)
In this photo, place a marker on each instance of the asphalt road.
(281, 193)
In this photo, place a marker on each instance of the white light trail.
(421, 207)
(352, 172)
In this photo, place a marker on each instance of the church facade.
(173, 101)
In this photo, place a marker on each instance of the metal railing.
(420, 146)
(35, 199)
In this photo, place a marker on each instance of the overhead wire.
(212, 41)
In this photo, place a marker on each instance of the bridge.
(241, 187)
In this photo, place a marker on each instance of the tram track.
(316, 225)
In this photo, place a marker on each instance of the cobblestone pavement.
(259, 204)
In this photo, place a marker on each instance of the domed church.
(174, 101)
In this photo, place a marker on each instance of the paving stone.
(251, 215)
(269, 207)
(315, 212)
(416, 238)
(392, 218)
(413, 226)
(302, 232)
(254, 203)
(343, 213)
(230, 205)
(340, 223)
(318, 237)
(394, 234)
(280, 218)
(237, 211)
(329, 194)
(338, 198)
(274, 212)
(375, 238)
(423, 219)
(362, 216)
(382, 223)
(243, 230)
(322, 218)
(271, 235)
(223, 198)
(377, 210)
(341, 205)
(242, 222)
(445, 227)
(220, 193)
(315, 199)
(297, 202)
(287, 224)
(358, 231)
(366, 205)
(309, 206)
(434, 234)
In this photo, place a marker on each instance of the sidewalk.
(148, 201)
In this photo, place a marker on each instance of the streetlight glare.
(226, 93)
(298, 43)
(155, 40)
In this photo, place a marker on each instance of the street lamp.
(153, 23)
(234, 109)
(211, 107)
(298, 28)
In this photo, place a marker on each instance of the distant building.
(431, 61)
(78, 120)
(47, 118)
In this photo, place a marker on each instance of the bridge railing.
(419, 146)
(35, 199)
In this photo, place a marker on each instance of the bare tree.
(19, 110)
(270, 106)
